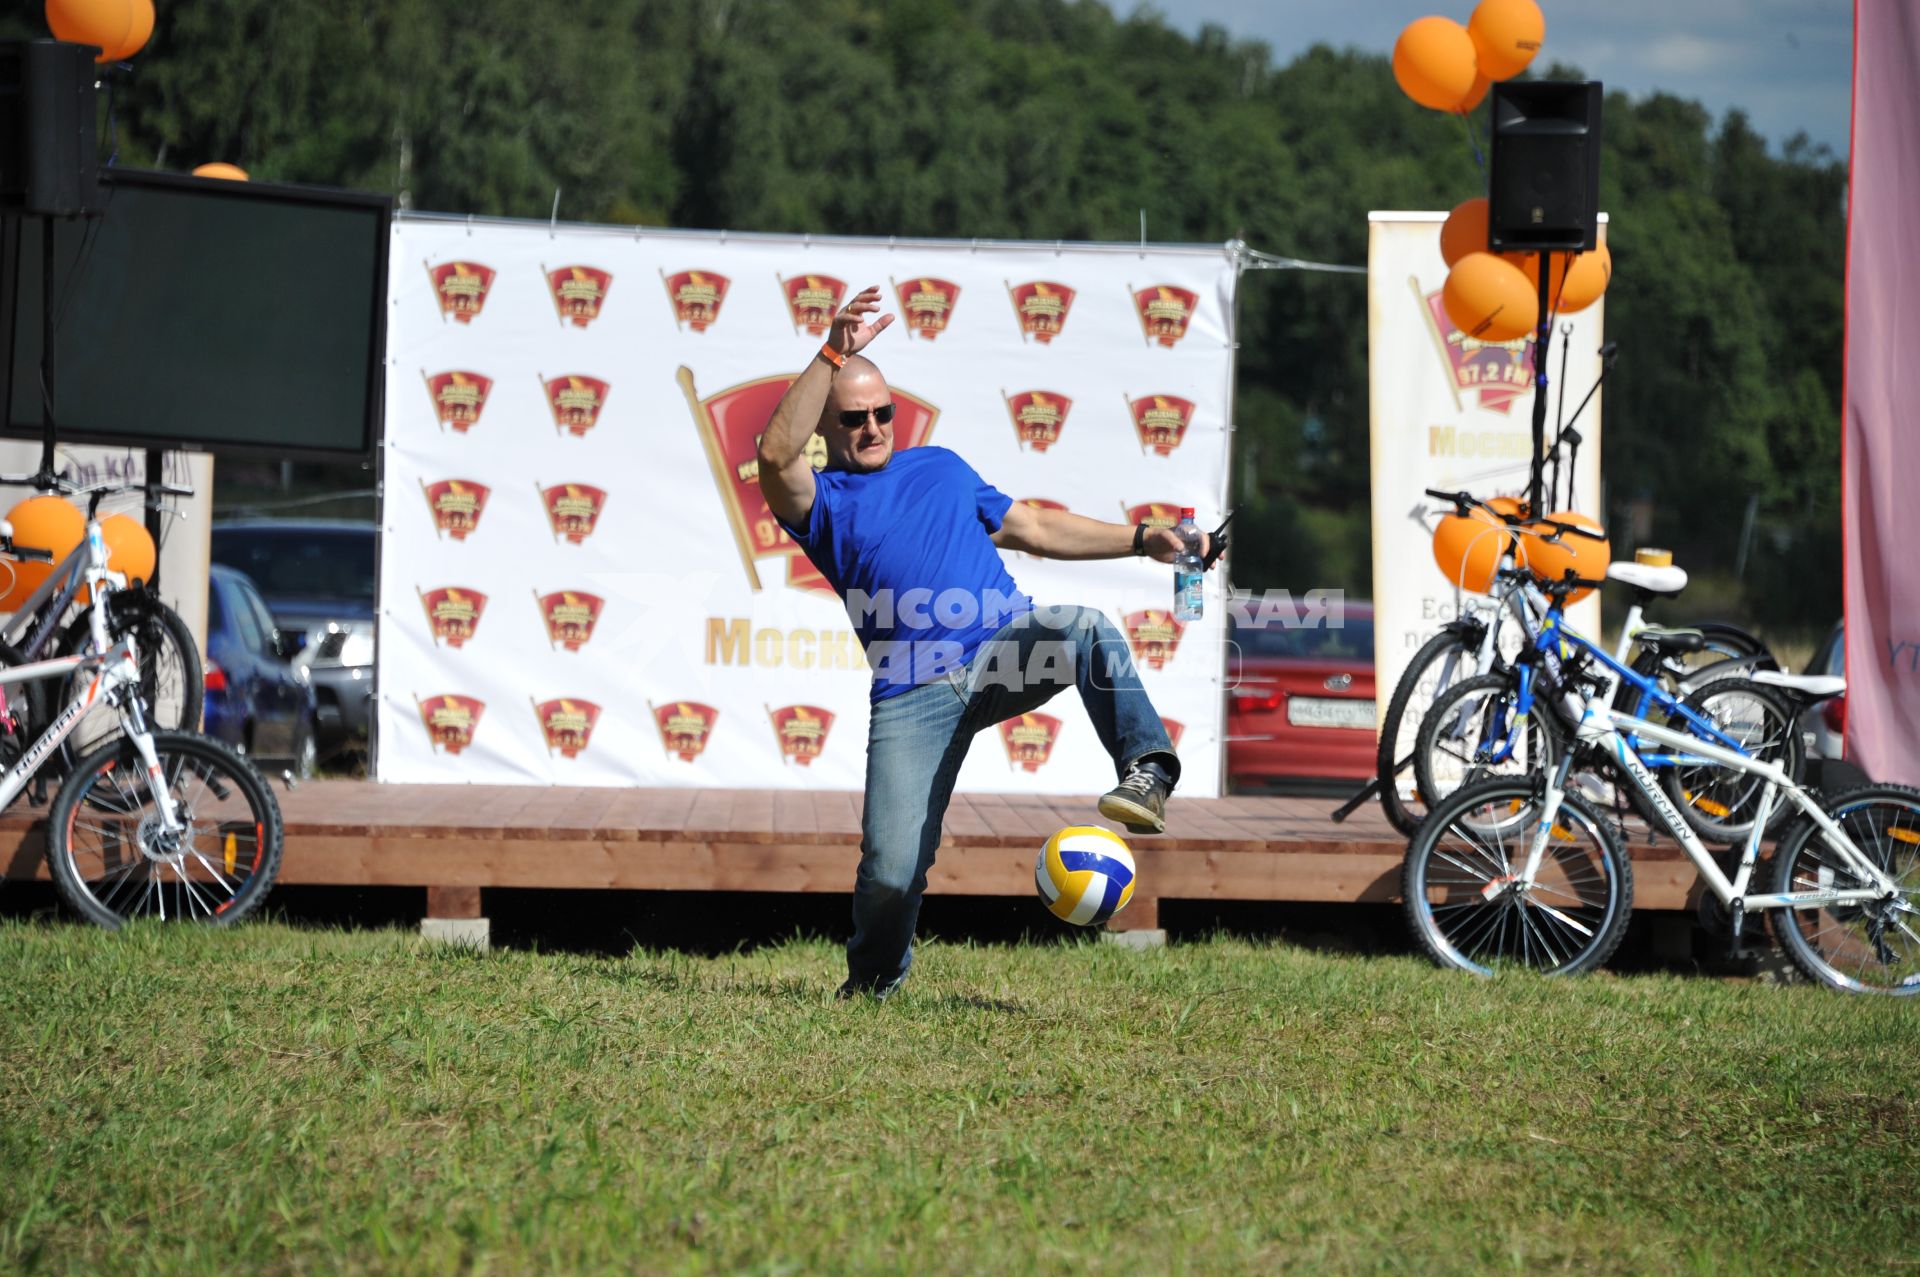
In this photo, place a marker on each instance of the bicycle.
(153, 818)
(171, 682)
(1480, 641)
(1495, 723)
(1519, 871)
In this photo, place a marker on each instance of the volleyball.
(1085, 875)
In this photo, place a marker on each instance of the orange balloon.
(1465, 230)
(1468, 548)
(1433, 62)
(1574, 287)
(1513, 506)
(227, 172)
(139, 31)
(1490, 299)
(40, 523)
(101, 23)
(1476, 95)
(1551, 559)
(130, 549)
(1506, 34)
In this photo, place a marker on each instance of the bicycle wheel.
(1719, 802)
(1473, 732)
(112, 861)
(1442, 660)
(172, 684)
(1861, 948)
(1466, 908)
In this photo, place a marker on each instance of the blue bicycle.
(1517, 721)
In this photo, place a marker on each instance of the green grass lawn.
(274, 1100)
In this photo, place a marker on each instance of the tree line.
(1058, 119)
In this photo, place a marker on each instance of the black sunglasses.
(854, 418)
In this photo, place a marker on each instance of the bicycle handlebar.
(1464, 501)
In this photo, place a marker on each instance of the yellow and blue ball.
(1085, 875)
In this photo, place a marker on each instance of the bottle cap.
(1186, 512)
(1653, 558)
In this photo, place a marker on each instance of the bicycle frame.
(65, 582)
(1600, 728)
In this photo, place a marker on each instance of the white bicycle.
(152, 823)
(1517, 871)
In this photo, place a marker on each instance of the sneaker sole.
(1137, 819)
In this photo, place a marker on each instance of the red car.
(1300, 700)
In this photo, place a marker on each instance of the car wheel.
(306, 751)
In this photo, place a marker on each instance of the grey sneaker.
(1139, 802)
(878, 992)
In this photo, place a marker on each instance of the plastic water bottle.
(1188, 570)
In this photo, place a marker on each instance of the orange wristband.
(833, 356)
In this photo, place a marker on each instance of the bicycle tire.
(1542, 740)
(1404, 813)
(1711, 798)
(106, 857)
(1458, 905)
(1865, 937)
(172, 680)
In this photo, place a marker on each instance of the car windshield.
(301, 563)
(1351, 642)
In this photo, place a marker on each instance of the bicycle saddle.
(1674, 641)
(1664, 581)
(1813, 686)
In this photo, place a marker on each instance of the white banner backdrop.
(580, 583)
(1450, 412)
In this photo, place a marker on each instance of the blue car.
(258, 699)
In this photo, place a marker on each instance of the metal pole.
(46, 345)
(156, 474)
(1542, 338)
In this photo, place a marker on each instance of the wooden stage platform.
(456, 840)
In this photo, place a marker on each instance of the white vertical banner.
(1453, 413)
(580, 581)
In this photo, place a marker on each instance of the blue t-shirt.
(909, 549)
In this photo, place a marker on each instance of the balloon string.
(1473, 140)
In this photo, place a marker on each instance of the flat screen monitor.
(194, 312)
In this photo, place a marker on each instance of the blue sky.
(1787, 63)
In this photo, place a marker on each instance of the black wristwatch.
(1139, 538)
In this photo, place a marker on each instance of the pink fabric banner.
(1880, 444)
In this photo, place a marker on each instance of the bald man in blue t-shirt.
(911, 542)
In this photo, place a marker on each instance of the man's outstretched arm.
(1062, 534)
(786, 476)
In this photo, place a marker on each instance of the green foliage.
(268, 1100)
(1057, 119)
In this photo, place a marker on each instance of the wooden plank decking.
(455, 839)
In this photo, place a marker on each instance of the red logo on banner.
(578, 293)
(802, 732)
(730, 425)
(462, 288)
(567, 723)
(576, 401)
(1174, 729)
(813, 299)
(1154, 636)
(452, 612)
(458, 397)
(1165, 311)
(1500, 371)
(1029, 740)
(456, 505)
(685, 727)
(927, 304)
(696, 296)
(573, 509)
(569, 616)
(1038, 416)
(1155, 514)
(1161, 421)
(450, 720)
(1041, 307)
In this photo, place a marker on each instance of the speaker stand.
(1542, 337)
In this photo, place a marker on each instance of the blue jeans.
(918, 739)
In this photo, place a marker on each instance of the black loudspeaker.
(1544, 175)
(49, 122)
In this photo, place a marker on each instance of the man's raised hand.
(851, 329)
